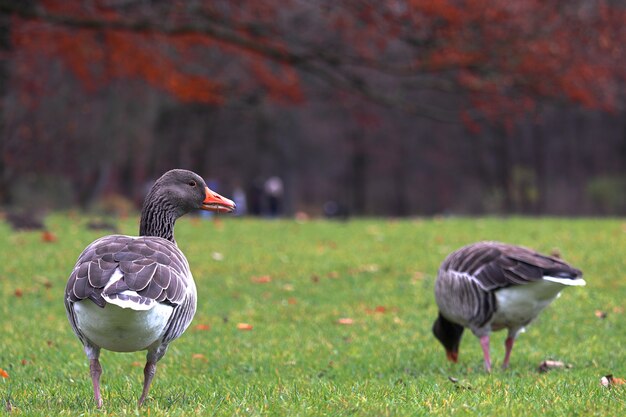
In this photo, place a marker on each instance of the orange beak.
(215, 202)
(452, 356)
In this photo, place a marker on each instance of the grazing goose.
(489, 286)
(128, 293)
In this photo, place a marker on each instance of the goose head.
(183, 191)
(449, 334)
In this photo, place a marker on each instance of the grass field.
(293, 283)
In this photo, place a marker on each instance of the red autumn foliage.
(502, 56)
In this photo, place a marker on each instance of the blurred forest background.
(386, 107)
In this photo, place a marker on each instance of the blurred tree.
(486, 63)
(501, 55)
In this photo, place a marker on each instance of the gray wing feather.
(152, 266)
(469, 276)
(181, 318)
(461, 298)
(497, 265)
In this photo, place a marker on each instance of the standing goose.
(489, 286)
(128, 293)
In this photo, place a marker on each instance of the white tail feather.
(130, 299)
(578, 282)
(126, 299)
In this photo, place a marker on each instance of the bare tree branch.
(324, 66)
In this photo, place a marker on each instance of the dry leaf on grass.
(377, 309)
(345, 321)
(609, 381)
(244, 326)
(48, 237)
(600, 314)
(459, 385)
(263, 279)
(549, 365)
(199, 356)
(202, 327)
(3, 373)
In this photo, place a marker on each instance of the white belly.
(519, 305)
(121, 329)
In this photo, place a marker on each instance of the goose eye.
(192, 183)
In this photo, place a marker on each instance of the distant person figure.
(255, 198)
(335, 210)
(274, 191)
(239, 197)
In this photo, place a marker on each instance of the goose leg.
(148, 374)
(95, 370)
(155, 353)
(508, 346)
(484, 343)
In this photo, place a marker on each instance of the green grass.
(298, 360)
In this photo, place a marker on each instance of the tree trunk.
(358, 170)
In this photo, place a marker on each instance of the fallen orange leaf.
(3, 373)
(202, 327)
(345, 321)
(380, 309)
(199, 356)
(18, 292)
(263, 279)
(48, 236)
(292, 301)
(136, 364)
(244, 326)
(600, 314)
